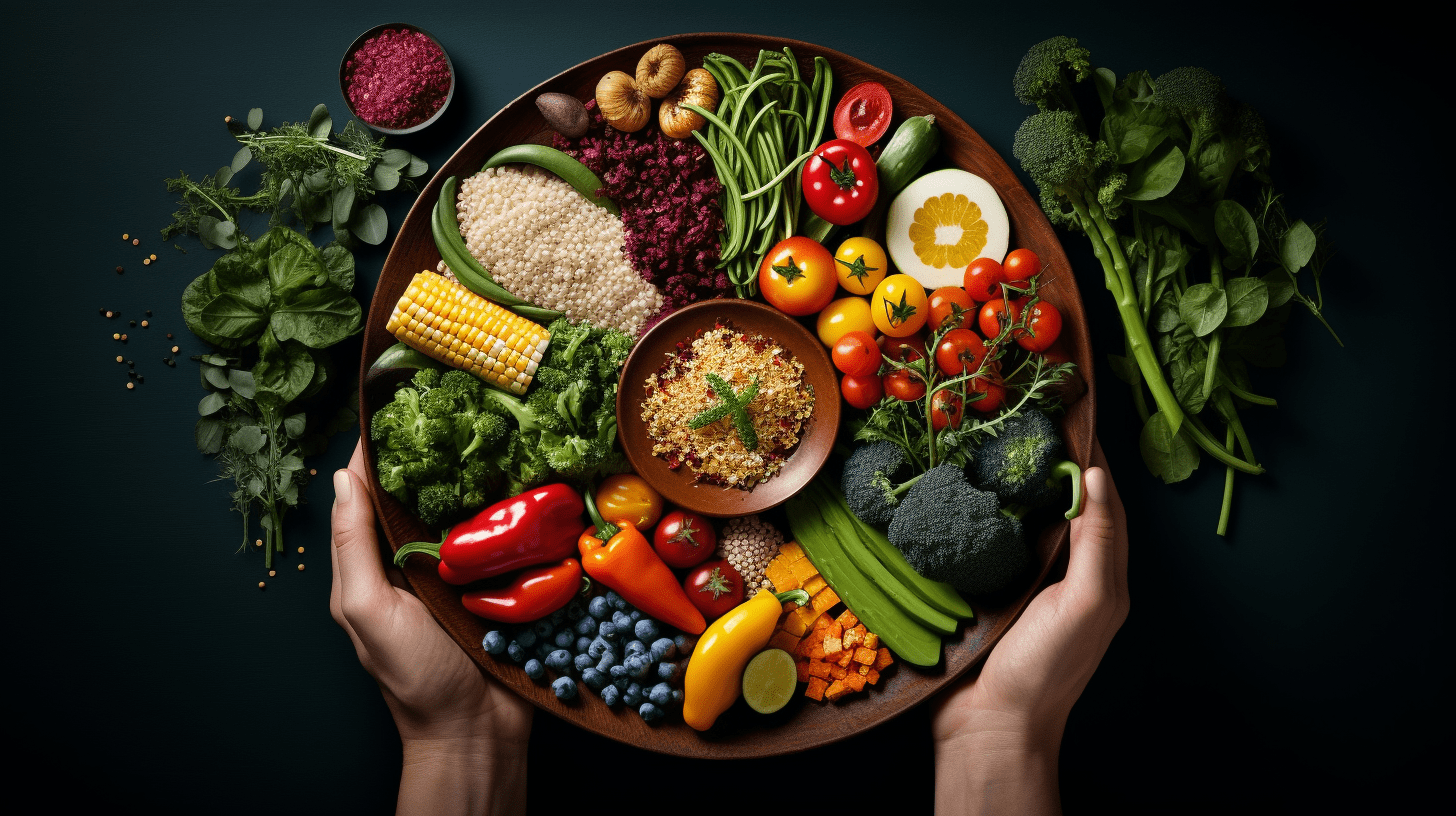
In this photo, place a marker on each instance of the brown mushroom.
(622, 103)
(659, 70)
(697, 88)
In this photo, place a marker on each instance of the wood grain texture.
(802, 724)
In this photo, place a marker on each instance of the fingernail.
(1096, 483)
(343, 486)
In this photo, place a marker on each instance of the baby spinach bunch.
(1168, 179)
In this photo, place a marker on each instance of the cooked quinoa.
(544, 242)
(679, 391)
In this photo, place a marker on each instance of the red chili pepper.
(536, 527)
(534, 594)
(628, 564)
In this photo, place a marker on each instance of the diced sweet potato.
(836, 690)
(825, 599)
(833, 647)
(794, 625)
(834, 630)
(818, 668)
(845, 659)
(855, 681)
(802, 570)
(801, 668)
(861, 655)
(871, 641)
(872, 677)
(814, 585)
(782, 577)
(790, 552)
(808, 615)
(862, 669)
(816, 650)
(821, 622)
(838, 672)
(852, 638)
(883, 658)
(847, 619)
(816, 688)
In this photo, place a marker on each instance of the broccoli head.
(1196, 96)
(872, 481)
(1071, 169)
(950, 531)
(1024, 463)
(1047, 72)
(437, 503)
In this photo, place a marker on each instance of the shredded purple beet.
(668, 193)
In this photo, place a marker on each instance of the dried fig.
(622, 103)
(697, 88)
(659, 70)
(564, 113)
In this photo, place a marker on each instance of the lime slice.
(769, 681)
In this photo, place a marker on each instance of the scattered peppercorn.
(149, 313)
(130, 386)
(300, 568)
(152, 258)
(129, 362)
(146, 323)
(123, 338)
(136, 241)
(261, 585)
(300, 550)
(272, 573)
(131, 323)
(119, 270)
(313, 471)
(175, 349)
(118, 358)
(111, 314)
(124, 236)
(141, 379)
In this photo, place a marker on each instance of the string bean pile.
(768, 123)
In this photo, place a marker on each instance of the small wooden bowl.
(680, 486)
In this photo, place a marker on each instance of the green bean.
(774, 182)
(732, 137)
(733, 215)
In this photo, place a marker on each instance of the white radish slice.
(941, 222)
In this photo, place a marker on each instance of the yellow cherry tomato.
(899, 306)
(842, 317)
(860, 264)
(627, 496)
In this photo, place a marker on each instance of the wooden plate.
(802, 724)
(679, 486)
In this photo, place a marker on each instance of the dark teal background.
(1303, 661)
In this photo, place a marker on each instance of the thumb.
(356, 547)
(1092, 561)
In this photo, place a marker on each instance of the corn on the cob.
(462, 329)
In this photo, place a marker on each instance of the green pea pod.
(578, 175)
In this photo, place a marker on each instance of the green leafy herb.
(730, 404)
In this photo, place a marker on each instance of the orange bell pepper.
(627, 563)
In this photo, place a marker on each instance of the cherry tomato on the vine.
(861, 390)
(904, 386)
(899, 306)
(948, 301)
(861, 264)
(960, 351)
(995, 394)
(863, 114)
(1021, 265)
(714, 587)
(840, 182)
(997, 311)
(1043, 325)
(684, 539)
(856, 353)
(797, 276)
(842, 316)
(904, 349)
(984, 278)
(946, 409)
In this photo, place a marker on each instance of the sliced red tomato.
(863, 115)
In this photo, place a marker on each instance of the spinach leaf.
(339, 264)
(1155, 175)
(1203, 307)
(285, 373)
(1248, 298)
(317, 317)
(291, 268)
(245, 275)
(1170, 457)
(1237, 232)
(233, 318)
(1297, 246)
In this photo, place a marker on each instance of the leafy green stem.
(1228, 489)
(1215, 343)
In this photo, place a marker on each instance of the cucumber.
(573, 172)
(914, 142)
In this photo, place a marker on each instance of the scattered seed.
(300, 550)
(261, 585)
(227, 118)
(169, 337)
(141, 379)
(111, 314)
(119, 270)
(272, 573)
(131, 323)
(101, 312)
(131, 374)
(300, 568)
(136, 241)
(118, 358)
(152, 258)
(129, 362)
(115, 336)
(146, 323)
(149, 313)
(313, 471)
(124, 236)
(146, 261)
(123, 338)
(175, 349)
(258, 543)
(130, 386)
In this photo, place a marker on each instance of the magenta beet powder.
(397, 79)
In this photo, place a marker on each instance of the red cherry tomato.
(861, 390)
(904, 386)
(904, 349)
(996, 313)
(995, 394)
(960, 351)
(840, 182)
(1044, 326)
(1021, 265)
(983, 279)
(946, 409)
(951, 301)
(684, 539)
(863, 115)
(857, 353)
(714, 587)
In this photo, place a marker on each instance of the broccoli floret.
(1047, 72)
(1025, 462)
(486, 431)
(873, 481)
(437, 503)
(1196, 96)
(950, 531)
(1073, 171)
(427, 378)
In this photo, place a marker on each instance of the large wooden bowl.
(803, 724)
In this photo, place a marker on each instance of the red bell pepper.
(533, 595)
(536, 527)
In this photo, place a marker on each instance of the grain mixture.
(543, 241)
(680, 391)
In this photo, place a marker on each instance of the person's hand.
(462, 732)
(997, 733)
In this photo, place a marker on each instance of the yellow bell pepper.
(715, 672)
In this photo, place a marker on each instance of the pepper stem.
(798, 596)
(605, 529)
(431, 547)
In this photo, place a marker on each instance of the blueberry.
(599, 608)
(594, 679)
(622, 621)
(543, 648)
(535, 670)
(559, 616)
(526, 637)
(677, 696)
(632, 696)
(574, 610)
(622, 682)
(617, 601)
(564, 687)
(543, 628)
(617, 672)
(559, 660)
(646, 629)
(607, 661)
(638, 666)
(611, 695)
(597, 647)
(515, 652)
(636, 647)
(660, 694)
(667, 670)
(607, 630)
(636, 615)
(582, 662)
(494, 642)
(650, 713)
(582, 644)
(586, 626)
(663, 649)
(683, 644)
(564, 639)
